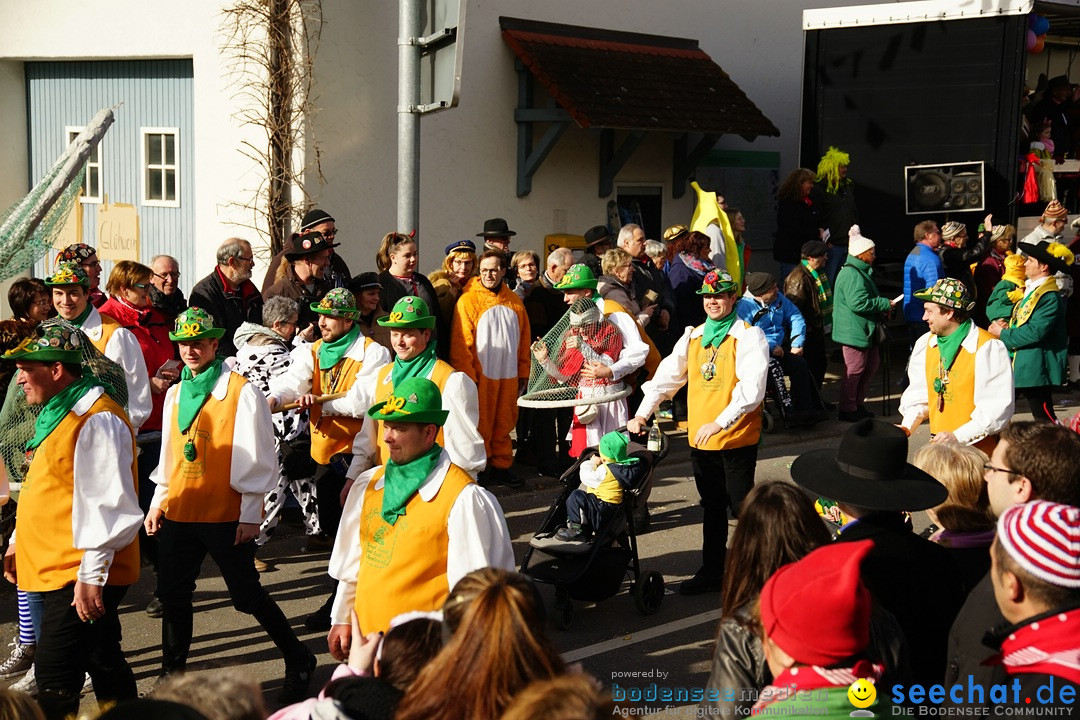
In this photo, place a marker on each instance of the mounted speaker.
(957, 187)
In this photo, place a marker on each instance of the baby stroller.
(593, 570)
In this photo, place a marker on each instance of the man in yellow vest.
(413, 527)
(959, 375)
(410, 323)
(70, 287)
(723, 364)
(75, 547)
(218, 460)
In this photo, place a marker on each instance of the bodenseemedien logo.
(862, 694)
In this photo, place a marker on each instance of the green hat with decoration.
(68, 273)
(194, 324)
(416, 400)
(53, 343)
(339, 303)
(578, 277)
(613, 447)
(716, 282)
(409, 312)
(948, 292)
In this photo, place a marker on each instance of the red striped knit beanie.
(1043, 538)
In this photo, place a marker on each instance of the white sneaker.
(19, 661)
(28, 684)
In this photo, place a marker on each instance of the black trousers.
(723, 478)
(803, 395)
(1040, 401)
(182, 546)
(149, 455)
(329, 481)
(68, 648)
(816, 359)
(588, 510)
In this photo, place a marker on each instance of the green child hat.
(195, 324)
(68, 273)
(409, 312)
(339, 302)
(716, 282)
(613, 449)
(416, 400)
(54, 343)
(947, 292)
(578, 277)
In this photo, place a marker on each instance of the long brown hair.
(498, 650)
(777, 526)
(390, 243)
(791, 188)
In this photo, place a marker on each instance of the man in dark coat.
(228, 294)
(336, 273)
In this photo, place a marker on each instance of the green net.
(17, 417)
(29, 228)
(563, 361)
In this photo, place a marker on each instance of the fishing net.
(29, 228)
(17, 417)
(581, 338)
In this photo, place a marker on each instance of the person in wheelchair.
(764, 306)
(604, 477)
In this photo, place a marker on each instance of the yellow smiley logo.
(862, 693)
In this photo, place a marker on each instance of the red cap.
(817, 609)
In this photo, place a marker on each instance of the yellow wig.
(829, 168)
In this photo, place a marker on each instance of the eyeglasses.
(96, 263)
(139, 286)
(988, 466)
(167, 275)
(494, 271)
(246, 259)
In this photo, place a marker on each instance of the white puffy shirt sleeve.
(478, 535)
(345, 557)
(994, 396)
(159, 476)
(253, 470)
(915, 400)
(634, 351)
(375, 356)
(105, 515)
(670, 375)
(296, 380)
(461, 435)
(751, 367)
(123, 348)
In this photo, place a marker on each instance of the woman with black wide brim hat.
(911, 577)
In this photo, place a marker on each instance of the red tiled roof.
(610, 79)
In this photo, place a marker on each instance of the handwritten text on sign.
(118, 232)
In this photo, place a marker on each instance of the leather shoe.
(702, 582)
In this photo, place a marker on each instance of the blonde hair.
(15, 705)
(612, 259)
(125, 274)
(390, 243)
(575, 696)
(448, 261)
(221, 695)
(960, 469)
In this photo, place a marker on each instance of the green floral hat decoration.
(948, 292)
(195, 324)
(52, 343)
(409, 312)
(578, 277)
(716, 282)
(416, 400)
(339, 303)
(68, 273)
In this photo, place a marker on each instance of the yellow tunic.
(706, 399)
(108, 327)
(959, 391)
(384, 386)
(333, 434)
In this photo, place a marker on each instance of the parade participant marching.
(75, 545)
(70, 286)
(413, 527)
(959, 376)
(723, 363)
(410, 323)
(217, 462)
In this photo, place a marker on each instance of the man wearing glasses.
(165, 292)
(228, 294)
(85, 256)
(336, 273)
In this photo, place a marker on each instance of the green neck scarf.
(330, 353)
(949, 345)
(419, 366)
(400, 482)
(824, 289)
(56, 409)
(717, 330)
(77, 322)
(194, 390)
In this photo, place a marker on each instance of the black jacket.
(966, 651)
(229, 309)
(169, 305)
(958, 262)
(796, 223)
(545, 306)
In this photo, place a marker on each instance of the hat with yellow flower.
(409, 312)
(195, 324)
(716, 282)
(416, 400)
(947, 292)
(578, 277)
(50, 343)
(68, 273)
(339, 303)
(1054, 254)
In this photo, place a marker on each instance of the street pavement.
(611, 639)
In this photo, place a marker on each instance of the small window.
(161, 167)
(92, 179)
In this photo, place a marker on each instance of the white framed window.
(92, 179)
(160, 166)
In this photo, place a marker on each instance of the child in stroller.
(604, 477)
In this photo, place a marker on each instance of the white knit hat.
(1044, 539)
(857, 244)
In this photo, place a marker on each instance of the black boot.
(176, 629)
(58, 704)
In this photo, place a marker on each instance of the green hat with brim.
(613, 448)
(194, 324)
(416, 400)
(339, 302)
(409, 312)
(578, 277)
(716, 282)
(68, 273)
(55, 343)
(947, 292)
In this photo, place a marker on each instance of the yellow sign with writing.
(118, 232)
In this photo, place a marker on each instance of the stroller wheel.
(649, 593)
(768, 424)
(565, 615)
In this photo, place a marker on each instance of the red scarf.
(1050, 645)
(812, 677)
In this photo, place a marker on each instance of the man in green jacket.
(1035, 334)
(857, 311)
